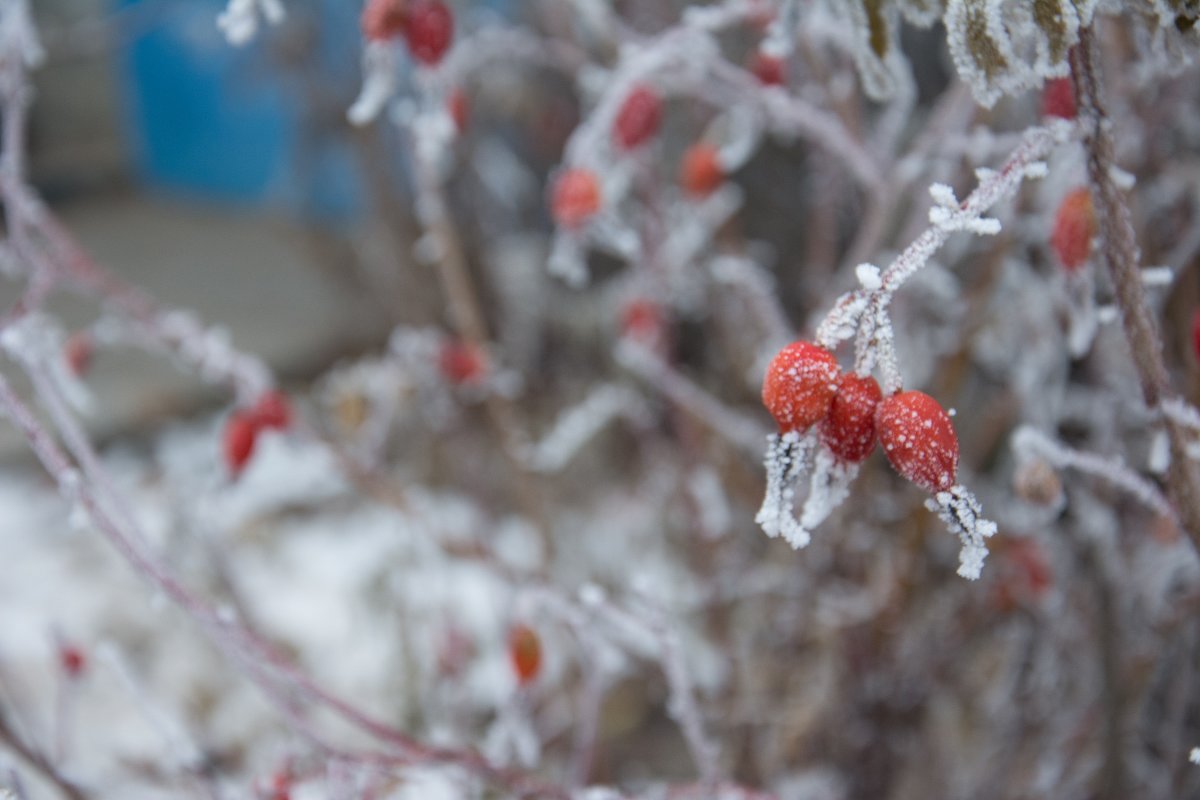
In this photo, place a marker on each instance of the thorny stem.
(1120, 252)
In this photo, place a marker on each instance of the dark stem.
(1119, 252)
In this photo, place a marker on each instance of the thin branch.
(1119, 251)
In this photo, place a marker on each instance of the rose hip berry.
(768, 69)
(701, 171)
(639, 118)
(462, 363)
(241, 430)
(1058, 98)
(428, 30)
(576, 197)
(1074, 227)
(525, 652)
(918, 439)
(799, 385)
(849, 430)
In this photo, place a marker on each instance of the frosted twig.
(576, 426)
(788, 457)
(1028, 442)
(725, 422)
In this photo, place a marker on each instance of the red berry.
(462, 362)
(701, 171)
(849, 430)
(799, 385)
(768, 69)
(576, 197)
(1074, 227)
(1058, 98)
(639, 117)
(72, 659)
(428, 30)
(459, 108)
(525, 652)
(1196, 333)
(281, 786)
(641, 319)
(383, 19)
(918, 439)
(241, 429)
(78, 352)
(273, 411)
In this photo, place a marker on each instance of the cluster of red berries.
(426, 25)
(804, 386)
(271, 412)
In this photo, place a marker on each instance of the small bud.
(1035, 481)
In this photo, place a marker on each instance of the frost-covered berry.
(639, 117)
(576, 197)
(462, 363)
(849, 430)
(701, 171)
(918, 439)
(78, 352)
(799, 385)
(241, 429)
(525, 652)
(768, 69)
(383, 19)
(1058, 98)
(428, 29)
(272, 411)
(1074, 228)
